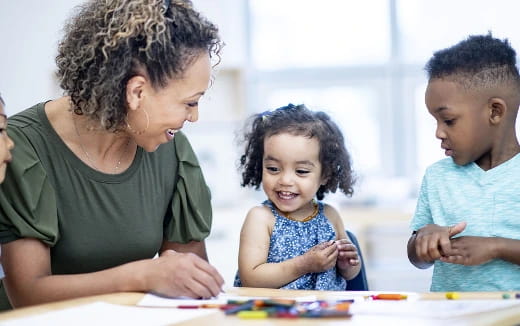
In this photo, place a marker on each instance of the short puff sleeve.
(27, 199)
(191, 205)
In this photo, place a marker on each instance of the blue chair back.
(358, 283)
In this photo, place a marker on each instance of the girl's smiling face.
(291, 173)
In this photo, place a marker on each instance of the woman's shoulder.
(27, 117)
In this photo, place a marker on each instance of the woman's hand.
(183, 274)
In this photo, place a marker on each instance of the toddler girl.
(292, 240)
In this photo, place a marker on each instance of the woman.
(101, 181)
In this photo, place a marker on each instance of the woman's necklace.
(116, 168)
(308, 218)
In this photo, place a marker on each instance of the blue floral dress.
(293, 238)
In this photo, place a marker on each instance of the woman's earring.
(138, 132)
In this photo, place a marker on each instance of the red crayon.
(188, 307)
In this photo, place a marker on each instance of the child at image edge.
(467, 220)
(6, 145)
(292, 241)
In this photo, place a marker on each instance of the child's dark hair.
(300, 121)
(476, 62)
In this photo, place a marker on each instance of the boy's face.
(462, 120)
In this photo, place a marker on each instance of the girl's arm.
(254, 248)
(29, 279)
(347, 250)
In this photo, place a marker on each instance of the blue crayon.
(246, 306)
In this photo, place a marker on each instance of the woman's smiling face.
(162, 112)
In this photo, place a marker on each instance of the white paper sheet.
(151, 300)
(101, 313)
(430, 308)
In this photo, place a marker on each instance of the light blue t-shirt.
(489, 201)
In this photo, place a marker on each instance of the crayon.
(278, 302)
(211, 305)
(343, 306)
(237, 301)
(252, 314)
(387, 296)
(319, 313)
(246, 306)
(452, 295)
(188, 306)
(286, 314)
(506, 296)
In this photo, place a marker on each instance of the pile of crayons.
(286, 308)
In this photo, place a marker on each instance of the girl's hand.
(183, 274)
(433, 241)
(321, 257)
(347, 254)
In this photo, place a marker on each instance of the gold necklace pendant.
(308, 218)
(91, 161)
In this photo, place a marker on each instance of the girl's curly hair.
(107, 42)
(300, 121)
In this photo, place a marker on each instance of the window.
(362, 61)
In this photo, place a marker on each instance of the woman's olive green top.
(91, 220)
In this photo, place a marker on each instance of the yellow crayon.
(452, 295)
(252, 314)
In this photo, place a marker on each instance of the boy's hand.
(347, 254)
(321, 257)
(433, 241)
(470, 251)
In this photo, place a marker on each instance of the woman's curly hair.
(107, 42)
(298, 120)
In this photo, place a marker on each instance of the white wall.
(29, 34)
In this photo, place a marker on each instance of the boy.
(467, 220)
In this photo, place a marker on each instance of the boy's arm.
(508, 250)
(254, 248)
(432, 242)
(412, 254)
(471, 250)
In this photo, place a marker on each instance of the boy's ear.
(497, 109)
(134, 91)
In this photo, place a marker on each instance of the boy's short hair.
(480, 61)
